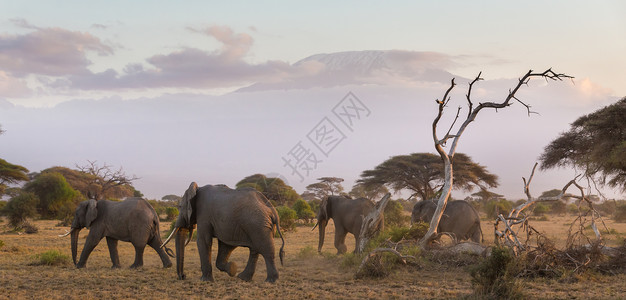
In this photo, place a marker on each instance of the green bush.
(394, 215)
(20, 208)
(492, 280)
(500, 206)
(415, 232)
(1, 243)
(171, 212)
(620, 214)
(540, 209)
(52, 258)
(303, 210)
(287, 217)
(57, 198)
(558, 208)
(573, 208)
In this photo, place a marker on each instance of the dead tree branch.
(369, 223)
(471, 116)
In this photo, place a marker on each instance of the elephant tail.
(281, 253)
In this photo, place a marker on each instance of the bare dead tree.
(514, 224)
(104, 179)
(472, 113)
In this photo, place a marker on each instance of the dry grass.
(304, 275)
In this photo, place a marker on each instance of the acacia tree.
(11, 174)
(327, 186)
(423, 174)
(373, 192)
(595, 143)
(472, 113)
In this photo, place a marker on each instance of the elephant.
(459, 218)
(347, 215)
(237, 218)
(132, 220)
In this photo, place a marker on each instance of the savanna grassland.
(305, 274)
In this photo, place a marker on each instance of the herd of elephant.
(237, 218)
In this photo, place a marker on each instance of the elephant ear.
(185, 203)
(323, 213)
(92, 212)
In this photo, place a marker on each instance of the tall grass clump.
(51, 258)
(492, 278)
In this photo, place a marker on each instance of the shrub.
(558, 207)
(501, 206)
(30, 228)
(52, 258)
(287, 217)
(303, 210)
(573, 208)
(394, 214)
(415, 232)
(620, 214)
(540, 209)
(307, 252)
(1, 243)
(491, 279)
(20, 208)
(57, 198)
(171, 212)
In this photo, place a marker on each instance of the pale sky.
(166, 58)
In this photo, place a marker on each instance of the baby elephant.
(132, 220)
(459, 218)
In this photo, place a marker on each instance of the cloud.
(11, 87)
(48, 51)
(62, 55)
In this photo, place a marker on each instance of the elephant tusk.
(66, 233)
(169, 237)
(315, 226)
(189, 238)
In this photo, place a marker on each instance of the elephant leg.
(115, 258)
(156, 245)
(340, 240)
(248, 272)
(270, 265)
(91, 243)
(204, 251)
(477, 234)
(138, 256)
(223, 253)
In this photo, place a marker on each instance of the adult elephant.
(459, 218)
(132, 220)
(347, 214)
(242, 217)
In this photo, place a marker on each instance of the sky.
(212, 92)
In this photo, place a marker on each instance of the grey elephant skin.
(347, 214)
(237, 218)
(459, 218)
(132, 220)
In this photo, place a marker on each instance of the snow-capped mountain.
(377, 67)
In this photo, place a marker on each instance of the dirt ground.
(305, 274)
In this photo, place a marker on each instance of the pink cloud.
(48, 51)
(11, 87)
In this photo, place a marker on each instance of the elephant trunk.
(322, 227)
(180, 252)
(74, 237)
